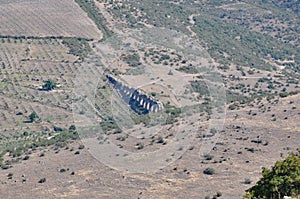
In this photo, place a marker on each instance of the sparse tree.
(49, 85)
(32, 116)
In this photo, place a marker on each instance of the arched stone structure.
(140, 102)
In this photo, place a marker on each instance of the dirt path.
(192, 22)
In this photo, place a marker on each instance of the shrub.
(232, 106)
(56, 128)
(283, 94)
(72, 128)
(25, 133)
(247, 181)
(42, 180)
(62, 170)
(49, 85)
(160, 139)
(208, 157)
(26, 157)
(5, 166)
(10, 175)
(32, 116)
(209, 171)
(140, 146)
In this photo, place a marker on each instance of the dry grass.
(94, 180)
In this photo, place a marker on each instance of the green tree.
(32, 116)
(49, 85)
(283, 179)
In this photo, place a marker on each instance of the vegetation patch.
(283, 179)
(78, 46)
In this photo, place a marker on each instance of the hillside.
(225, 72)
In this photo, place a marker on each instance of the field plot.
(49, 50)
(45, 18)
(25, 66)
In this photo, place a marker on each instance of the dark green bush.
(49, 85)
(209, 171)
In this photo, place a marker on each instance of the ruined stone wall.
(138, 101)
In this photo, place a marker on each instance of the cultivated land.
(254, 46)
(46, 18)
(26, 64)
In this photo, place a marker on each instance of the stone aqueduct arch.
(140, 102)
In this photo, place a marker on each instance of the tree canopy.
(49, 85)
(283, 179)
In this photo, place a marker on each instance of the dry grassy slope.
(94, 180)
